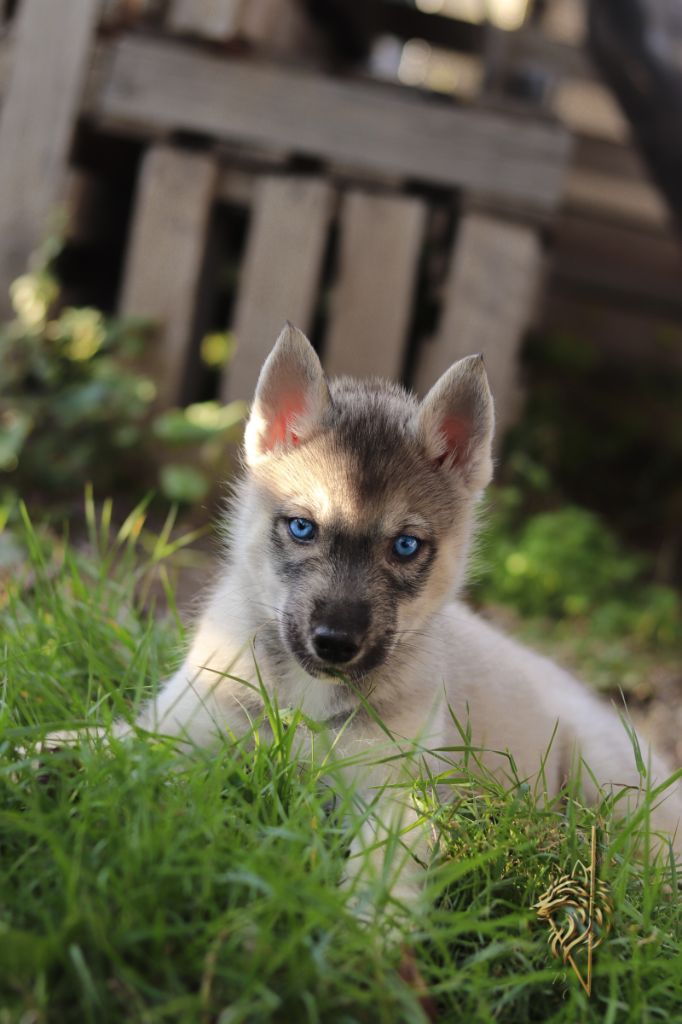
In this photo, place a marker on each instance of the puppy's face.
(365, 539)
(364, 520)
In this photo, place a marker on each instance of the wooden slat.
(381, 238)
(488, 304)
(165, 255)
(530, 49)
(601, 156)
(620, 200)
(281, 27)
(155, 86)
(42, 98)
(278, 26)
(280, 271)
(590, 108)
(211, 19)
(610, 181)
(566, 21)
(626, 261)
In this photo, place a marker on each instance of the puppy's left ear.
(457, 421)
(291, 397)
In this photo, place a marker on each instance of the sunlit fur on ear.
(457, 421)
(291, 396)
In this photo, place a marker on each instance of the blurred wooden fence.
(339, 171)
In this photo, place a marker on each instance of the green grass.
(141, 883)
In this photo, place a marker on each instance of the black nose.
(334, 645)
(338, 630)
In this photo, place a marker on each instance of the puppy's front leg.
(201, 701)
(199, 705)
(391, 849)
(387, 859)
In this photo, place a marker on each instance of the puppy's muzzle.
(338, 630)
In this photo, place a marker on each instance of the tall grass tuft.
(144, 883)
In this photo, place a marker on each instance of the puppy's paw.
(68, 738)
(53, 742)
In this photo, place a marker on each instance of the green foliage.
(141, 882)
(204, 429)
(566, 564)
(203, 421)
(73, 407)
(69, 409)
(183, 483)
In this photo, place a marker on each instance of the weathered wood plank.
(601, 156)
(212, 19)
(380, 244)
(43, 95)
(627, 261)
(277, 26)
(280, 271)
(280, 27)
(165, 254)
(154, 86)
(488, 304)
(590, 108)
(620, 200)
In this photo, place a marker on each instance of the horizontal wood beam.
(632, 264)
(155, 88)
(609, 198)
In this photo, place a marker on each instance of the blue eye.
(406, 546)
(301, 529)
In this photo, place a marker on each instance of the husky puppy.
(348, 541)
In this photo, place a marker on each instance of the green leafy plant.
(73, 406)
(566, 564)
(69, 407)
(203, 430)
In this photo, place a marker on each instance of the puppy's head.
(361, 502)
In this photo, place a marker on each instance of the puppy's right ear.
(291, 397)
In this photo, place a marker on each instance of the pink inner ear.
(457, 433)
(280, 426)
